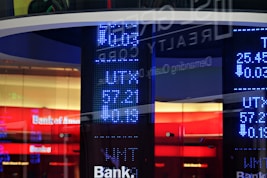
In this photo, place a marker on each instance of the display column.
(117, 131)
(245, 103)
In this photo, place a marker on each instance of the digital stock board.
(245, 103)
(116, 102)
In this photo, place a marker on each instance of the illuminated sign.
(40, 149)
(245, 103)
(117, 64)
(49, 120)
(196, 165)
(13, 163)
(116, 110)
(123, 172)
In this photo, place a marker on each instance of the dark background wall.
(6, 8)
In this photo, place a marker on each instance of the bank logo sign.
(102, 172)
(240, 174)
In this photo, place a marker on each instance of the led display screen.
(116, 94)
(117, 102)
(245, 101)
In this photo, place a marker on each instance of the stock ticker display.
(117, 113)
(245, 103)
(117, 72)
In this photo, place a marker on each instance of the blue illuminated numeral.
(261, 120)
(250, 72)
(247, 72)
(243, 57)
(118, 35)
(131, 115)
(262, 132)
(248, 57)
(132, 96)
(264, 56)
(239, 59)
(261, 56)
(258, 72)
(246, 117)
(264, 72)
(135, 40)
(125, 39)
(112, 39)
(119, 94)
(251, 132)
(110, 96)
(258, 57)
(115, 115)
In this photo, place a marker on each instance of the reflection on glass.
(21, 8)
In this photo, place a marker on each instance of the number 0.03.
(257, 72)
(118, 35)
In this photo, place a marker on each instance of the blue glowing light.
(249, 89)
(252, 124)
(254, 102)
(4, 156)
(253, 132)
(249, 29)
(115, 60)
(36, 136)
(250, 73)
(115, 154)
(118, 35)
(116, 137)
(251, 65)
(117, 65)
(122, 77)
(35, 158)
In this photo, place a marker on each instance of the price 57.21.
(129, 96)
(252, 117)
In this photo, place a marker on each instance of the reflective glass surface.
(19, 8)
(160, 100)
